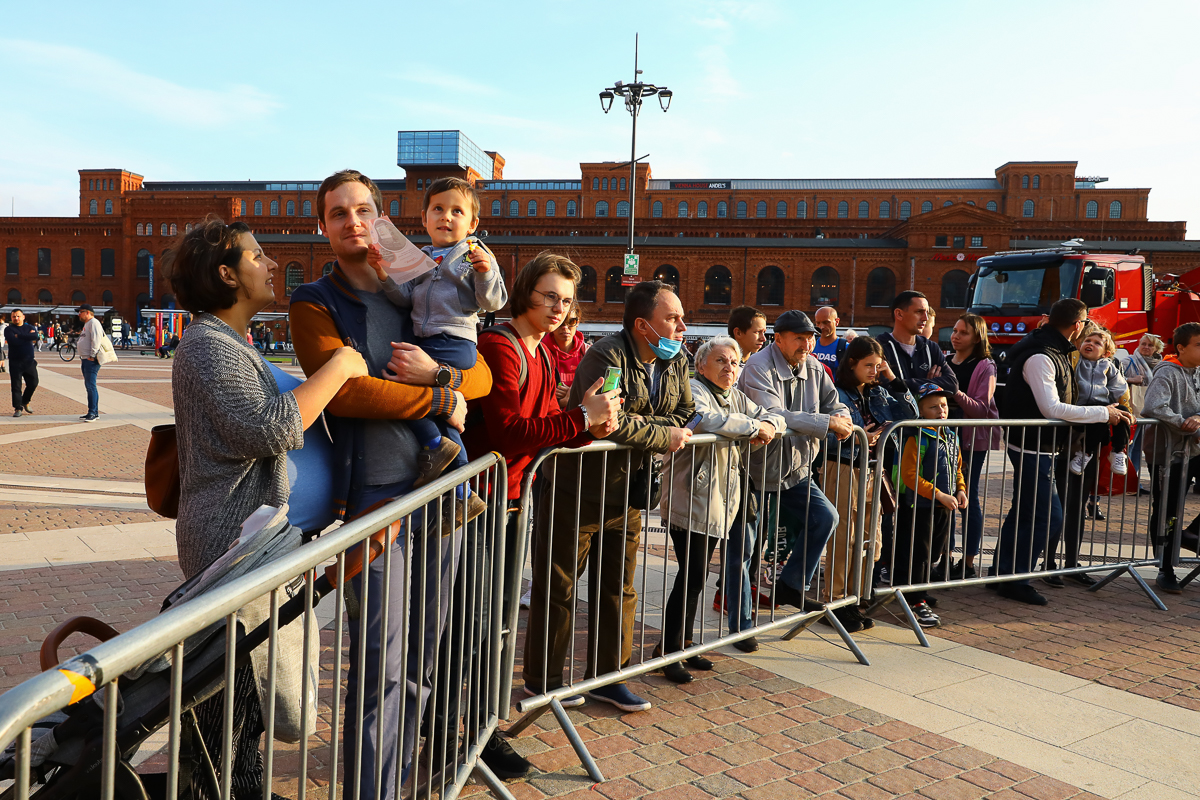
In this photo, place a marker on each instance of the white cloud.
(452, 83)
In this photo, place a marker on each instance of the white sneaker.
(1119, 467)
(1079, 462)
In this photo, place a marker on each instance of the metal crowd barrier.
(627, 591)
(78, 725)
(1172, 472)
(1116, 545)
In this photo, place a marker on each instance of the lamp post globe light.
(633, 94)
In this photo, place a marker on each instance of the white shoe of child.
(1079, 462)
(1118, 461)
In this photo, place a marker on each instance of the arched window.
(420, 183)
(826, 287)
(495, 208)
(622, 208)
(514, 208)
(187, 228)
(139, 229)
(601, 208)
(881, 287)
(142, 301)
(1027, 208)
(587, 285)
(802, 209)
(327, 268)
(14, 296)
(174, 230)
(622, 184)
(702, 209)
(1114, 209)
(926, 207)
(947, 203)
(570, 208)
(306, 208)
(78, 297)
(614, 292)
(292, 278)
(822, 210)
(1037, 181)
(718, 286)
(243, 208)
(864, 209)
(656, 209)
(781, 210)
(682, 210)
(843, 209)
(168, 300)
(291, 208)
(954, 289)
(741, 209)
(770, 287)
(604, 184)
(93, 207)
(905, 210)
(107, 297)
(550, 208)
(45, 298)
(991, 205)
(274, 208)
(258, 208)
(143, 263)
(1093, 209)
(1024, 181)
(162, 229)
(885, 210)
(531, 208)
(760, 210)
(668, 275)
(722, 210)
(91, 184)
(595, 184)
(970, 202)
(108, 206)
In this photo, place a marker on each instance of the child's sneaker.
(925, 616)
(1118, 461)
(432, 461)
(1079, 462)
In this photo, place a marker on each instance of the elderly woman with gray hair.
(705, 498)
(1138, 369)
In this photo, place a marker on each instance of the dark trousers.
(452, 351)
(921, 533)
(19, 371)
(1073, 493)
(560, 554)
(693, 552)
(247, 776)
(1035, 515)
(1096, 435)
(1168, 486)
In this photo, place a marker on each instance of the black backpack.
(476, 416)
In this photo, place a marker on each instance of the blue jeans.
(1035, 515)
(452, 351)
(739, 552)
(807, 502)
(91, 368)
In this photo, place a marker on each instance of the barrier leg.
(518, 727)
(912, 619)
(1191, 576)
(494, 784)
(577, 744)
(846, 637)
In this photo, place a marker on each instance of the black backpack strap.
(506, 332)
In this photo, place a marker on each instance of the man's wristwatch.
(443, 376)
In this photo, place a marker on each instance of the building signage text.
(700, 185)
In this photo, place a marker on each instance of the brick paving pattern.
(152, 392)
(116, 453)
(30, 518)
(44, 402)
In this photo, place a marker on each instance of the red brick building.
(777, 244)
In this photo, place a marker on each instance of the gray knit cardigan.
(234, 429)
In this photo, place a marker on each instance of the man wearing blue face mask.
(657, 403)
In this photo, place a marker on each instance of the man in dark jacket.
(1041, 385)
(21, 339)
(658, 402)
(910, 355)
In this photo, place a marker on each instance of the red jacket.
(516, 421)
(566, 361)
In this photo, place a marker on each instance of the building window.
(162, 229)
(393, 208)
(741, 209)
(570, 208)
(826, 287)
(1114, 209)
(1037, 181)
(760, 210)
(614, 292)
(702, 209)
(43, 261)
(93, 207)
(940, 241)
(306, 208)
(45, 298)
(243, 208)
(258, 208)
(770, 287)
(881, 287)
(91, 184)
(12, 261)
(587, 285)
(682, 210)
(187, 228)
(864, 209)
(718, 286)
(1024, 181)
(954, 289)
(722, 210)
(843, 209)
(595, 184)
(531, 208)
(77, 262)
(622, 208)
(140, 229)
(622, 184)
(604, 184)
(991, 205)
(885, 210)
(108, 262)
(1093, 209)
(293, 278)
(108, 206)
(802, 209)
(174, 230)
(144, 259)
(947, 203)
(551, 208)
(926, 207)
(970, 202)
(1027, 209)
(601, 208)
(822, 210)
(514, 208)
(78, 297)
(656, 209)
(274, 208)
(905, 210)
(290, 208)
(107, 297)
(495, 208)
(976, 241)
(781, 210)
(960, 242)
(327, 268)
(668, 275)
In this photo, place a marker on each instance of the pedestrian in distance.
(89, 350)
(22, 339)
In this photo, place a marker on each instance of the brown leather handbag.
(162, 471)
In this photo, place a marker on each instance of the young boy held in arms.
(1100, 383)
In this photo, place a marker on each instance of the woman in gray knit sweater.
(234, 429)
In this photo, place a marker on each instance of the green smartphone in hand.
(612, 376)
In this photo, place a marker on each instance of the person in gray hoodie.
(1173, 398)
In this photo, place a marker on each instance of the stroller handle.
(86, 625)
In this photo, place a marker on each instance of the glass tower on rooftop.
(442, 149)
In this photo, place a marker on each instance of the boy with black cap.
(932, 490)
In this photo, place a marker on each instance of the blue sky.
(762, 89)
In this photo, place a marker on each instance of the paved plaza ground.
(1094, 695)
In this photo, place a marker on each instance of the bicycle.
(65, 347)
